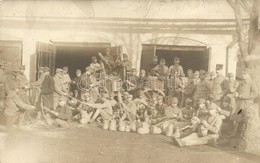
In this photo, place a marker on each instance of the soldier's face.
(65, 71)
(162, 63)
(174, 104)
(47, 73)
(176, 61)
(201, 105)
(78, 74)
(189, 74)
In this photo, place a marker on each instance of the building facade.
(67, 33)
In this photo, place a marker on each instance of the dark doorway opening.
(76, 57)
(191, 57)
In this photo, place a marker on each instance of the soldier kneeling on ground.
(14, 108)
(62, 116)
(208, 130)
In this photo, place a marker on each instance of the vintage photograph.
(129, 81)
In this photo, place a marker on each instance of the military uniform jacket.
(13, 104)
(220, 87)
(47, 86)
(248, 92)
(202, 90)
(175, 68)
(214, 124)
(161, 70)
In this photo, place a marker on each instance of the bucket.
(169, 130)
(106, 124)
(112, 126)
(121, 126)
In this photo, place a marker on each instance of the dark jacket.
(47, 85)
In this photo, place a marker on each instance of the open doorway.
(76, 57)
(191, 57)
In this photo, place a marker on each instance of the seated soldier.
(208, 130)
(103, 107)
(202, 111)
(14, 107)
(173, 111)
(228, 124)
(62, 116)
(188, 111)
(161, 106)
(84, 112)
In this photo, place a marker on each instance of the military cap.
(219, 66)
(227, 99)
(162, 60)
(197, 72)
(65, 68)
(230, 75)
(58, 70)
(201, 101)
(174, 100)
(176, 58)
(22, 67)
(78, 71)
(190, 70)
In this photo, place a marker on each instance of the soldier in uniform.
(161, 69)
(175, 88)
(66, 79)
(14, 107)
(23, 85)
(176, 67)
(75, 85)
(122, 64)
(154, 64)
(59, 89)
(196, 77)
(246, 94)
(108, 61)
(46, 94)
(233, 86)
(208, 131)
(95, 66)
(2, 85)
(220, 85)
(202, 89)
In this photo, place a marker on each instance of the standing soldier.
(2, 85)
(220, 85)
(176, 67)
(23, 85)
(153, 65)
(122, 64)
(75, 85)
(47, 91)
(196, 77)
(108, 61)
(161, 69)
(66, 79)
(59, 89)
(202, 89)
(248, 123)
(233, 86)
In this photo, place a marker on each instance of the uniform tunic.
(173, 112)
(47, 90)
(220, 87)
(202, 90)
(162, 70)
(176, 68)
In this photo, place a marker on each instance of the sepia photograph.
(129, 81)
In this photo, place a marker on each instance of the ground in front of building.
(92, 144)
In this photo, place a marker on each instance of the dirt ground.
(94, 145)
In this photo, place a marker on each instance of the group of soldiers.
(192, 109)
